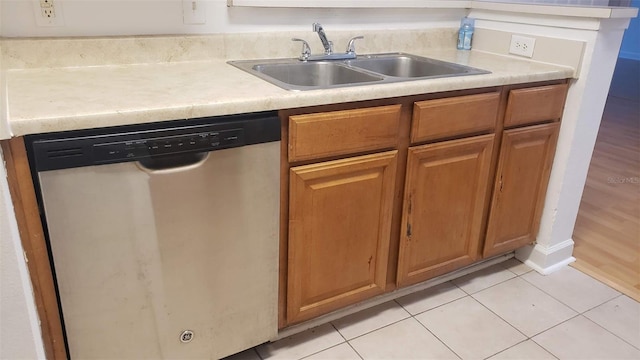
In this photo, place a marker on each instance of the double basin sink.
(293, 74)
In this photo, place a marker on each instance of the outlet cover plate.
(194, 12)
(48, 12)
(522, 45)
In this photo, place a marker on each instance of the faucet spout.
(328, 45)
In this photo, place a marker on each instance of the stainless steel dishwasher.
(163, 237)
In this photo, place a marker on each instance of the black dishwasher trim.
(77, 148)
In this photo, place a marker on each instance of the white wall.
(20, 336)
(19, 330)
(558, 2)
(150, 17)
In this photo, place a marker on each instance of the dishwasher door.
(176, 263)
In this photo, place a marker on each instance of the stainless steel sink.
(292, 74)
(303, 75)
(411, 66)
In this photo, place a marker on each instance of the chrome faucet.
(351, 46)
(328, 45)
(306, 49)
(350, 53)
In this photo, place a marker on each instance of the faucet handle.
(306, 49)
(351, 47)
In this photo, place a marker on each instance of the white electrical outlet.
(48, 12)
(194, 12)
(522, 45)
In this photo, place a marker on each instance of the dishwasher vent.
(64, 153)
(60, 154)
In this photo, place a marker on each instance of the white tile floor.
(502, 312)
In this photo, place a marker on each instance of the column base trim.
(547, 259)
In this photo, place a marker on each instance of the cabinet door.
(444, 204)
(339, 231)
(526, 156)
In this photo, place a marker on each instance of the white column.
(580, 124)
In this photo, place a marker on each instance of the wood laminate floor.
(607, 231)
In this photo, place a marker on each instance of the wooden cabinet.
(444, 203)
(522, 175)
(455, 116)
(339, 229)
(524, 166)
(326, 134)
(392, 192)
(340, 211)
(535, 105)
(446, 185)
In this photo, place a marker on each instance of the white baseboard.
(547, 259)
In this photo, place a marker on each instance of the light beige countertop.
(48, 99)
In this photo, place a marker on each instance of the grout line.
(562, 322)
(577, 313)
(531, 337)
(544, 348)
(606, 301)
(607, 330)
(500, 317)
(503, 267)
(501, 351)
(524, 273)
(338, 331)
(380, 328)
(555, 326)
(255, 350)
(356, 351)
(436, 336)
(443, 304)
(544, 291)
(540, 332)
(319, 351)
(488, 287)
(330, 347)
(569, 306)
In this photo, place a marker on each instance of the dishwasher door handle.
(172, 163)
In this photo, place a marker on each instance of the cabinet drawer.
(534, 105)
(442, 118)
(321, 135)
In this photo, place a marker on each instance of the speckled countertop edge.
(70, 98)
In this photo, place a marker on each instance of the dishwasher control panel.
(141, 148)
(141, 142)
